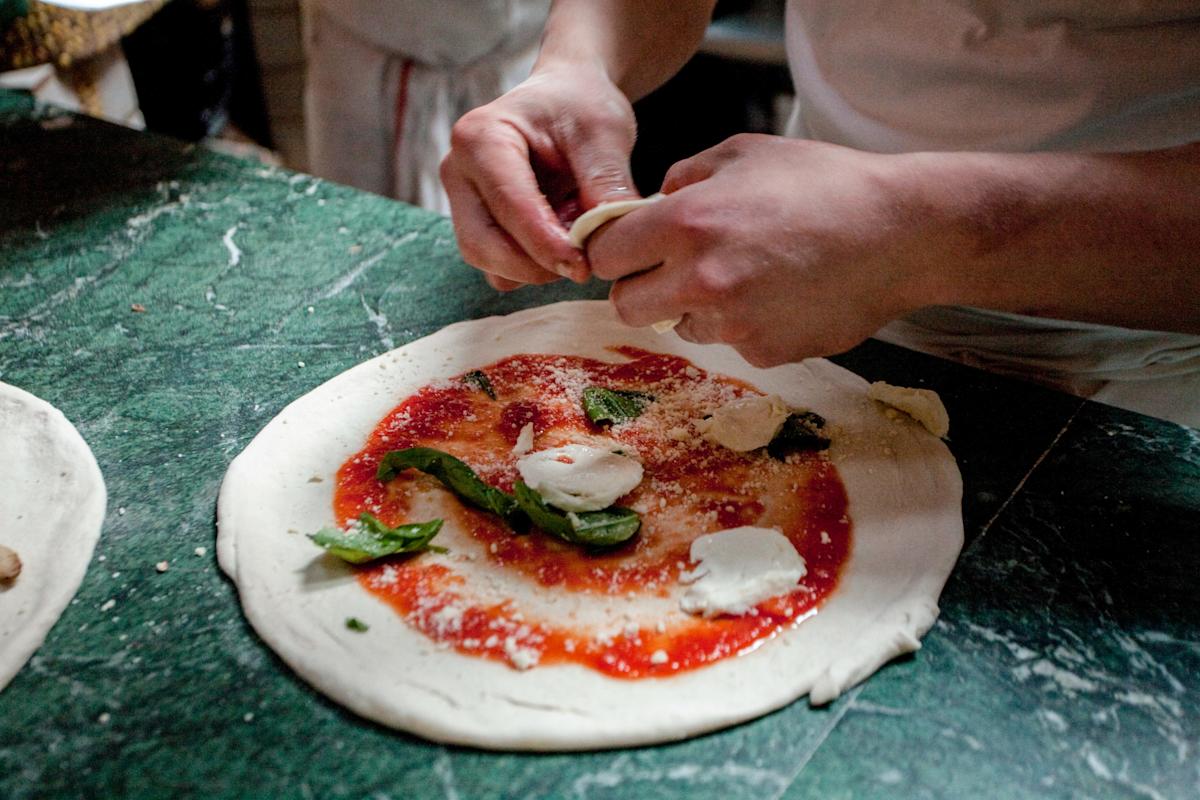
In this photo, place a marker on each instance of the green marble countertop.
(1066, 663)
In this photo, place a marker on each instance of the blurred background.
(363, 92)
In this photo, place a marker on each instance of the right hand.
(523, 166)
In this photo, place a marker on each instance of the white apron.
(387, 79)
(1014, 75)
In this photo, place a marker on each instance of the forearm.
(639, 44)
(1105, 238)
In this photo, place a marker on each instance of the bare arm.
(638, 43)
(1107, 238)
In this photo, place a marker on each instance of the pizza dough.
(591, 220)
(52, 501)
(904, 492)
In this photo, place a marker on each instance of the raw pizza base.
(52, 501)
(904, 490)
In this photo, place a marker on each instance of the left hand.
(782, 248)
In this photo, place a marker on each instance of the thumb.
(683, 173)
(706, 163)
(600, 163)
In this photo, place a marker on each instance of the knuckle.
(692, 222)
(740, 142)
(729, 148)
(700, 329)
(621, 305)
(713, 283)
(623, 301)
(602, 268)
(609, 118)
(469, 131)
(616, 295)
(446, 170)
(677, 174)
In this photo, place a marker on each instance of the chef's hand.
(522, 167)
(783, 248)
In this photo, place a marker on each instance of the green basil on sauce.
(610, 406)
(479, 379)
(802, 430)
(605, 528)
(455, 475)
(370, 539)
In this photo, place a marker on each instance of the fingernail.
(579, 273)
(566, 269)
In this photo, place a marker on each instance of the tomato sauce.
(690, 487)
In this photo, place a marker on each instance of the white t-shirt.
(1014, 75)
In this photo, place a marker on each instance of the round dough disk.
(52, 502)
(904, 490)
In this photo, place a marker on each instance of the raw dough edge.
(396, 676)
(51, 482)
(589, 221)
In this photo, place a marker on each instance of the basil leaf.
(604, 528)
(371, 539)
(614, 405)
(479, 379)
(802, 430)
(356, 624)
(456, 476)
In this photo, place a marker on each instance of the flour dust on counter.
(52, 502)
(545, 542)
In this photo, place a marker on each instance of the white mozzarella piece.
(524, 440)
(578, 477)
(738, 568)
(923, 405)
(746, 423)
